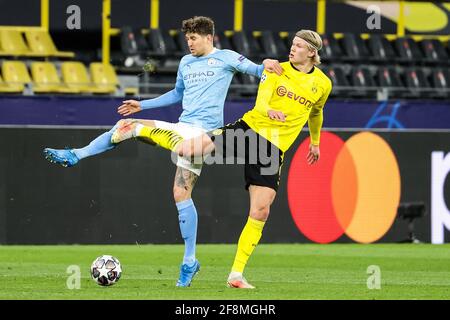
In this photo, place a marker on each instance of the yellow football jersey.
(300, 96)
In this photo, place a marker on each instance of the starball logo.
(283, 92)
(354, 189)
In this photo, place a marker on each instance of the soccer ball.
(106, 270)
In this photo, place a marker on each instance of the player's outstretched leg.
(70, 157)
(168, 139)
(64, 157)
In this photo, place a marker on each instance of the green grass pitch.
(279, 271)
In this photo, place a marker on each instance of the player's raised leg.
(260, 200)
(70, 157)
(167, 138)
(187, 217)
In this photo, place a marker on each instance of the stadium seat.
(340, 82)
(417, 83)
(240, 43)
(246, 45)
(9, 88)
(41, 43)
(182, 47)
(331, 51)
(46, 79)
(13, 44)
(434, 51)
(134, 47)
(280, 42)
(15, 73)
(289, 38)
(161, 44)
(75, 76)
(440, 79)
(270, 47)
(381, 48)
(133, 41)
(408, 50)
(363, 80)
(221, 41)
(104, 77)
(388, 78)
(354, 47)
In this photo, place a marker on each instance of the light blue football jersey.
(202, 85)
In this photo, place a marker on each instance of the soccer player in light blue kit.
(203, 79)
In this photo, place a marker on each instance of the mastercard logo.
(354, 189)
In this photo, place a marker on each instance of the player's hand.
(129, 107)
(276, 115)
(313, 154)
(273, 66)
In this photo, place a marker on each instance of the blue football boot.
(187, 274)
(64, 157)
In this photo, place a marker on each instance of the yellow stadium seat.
(104, 76)
(15, 73)
(41, 43)
(46, 79)
(76, 76)
(7, 88)
(13, 44)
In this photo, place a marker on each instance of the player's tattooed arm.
(185, 179)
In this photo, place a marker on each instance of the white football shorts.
(187, 131)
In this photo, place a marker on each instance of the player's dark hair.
(198, 24)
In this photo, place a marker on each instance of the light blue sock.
(187, 217)
(100, 144)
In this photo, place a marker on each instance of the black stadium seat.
(434, 51)
(268, 45)
(331, 51)
(361, 77)
(240, 43)
(363, 80)
(283, 47)
(354, 47)
(221, 41)
(440, 79)
(408, 50)
(381, 48)
(416, 81)
(160, 44)
(134, 46)
(256, 52)
(339, 80)
(247, 45)
(181, 44)
(389, 78)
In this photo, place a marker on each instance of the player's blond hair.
(314, 42)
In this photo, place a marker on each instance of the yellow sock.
(167, 139)
(248, 240)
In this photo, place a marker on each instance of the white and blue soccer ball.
(106, 270)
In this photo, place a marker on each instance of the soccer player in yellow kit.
(283, 106)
